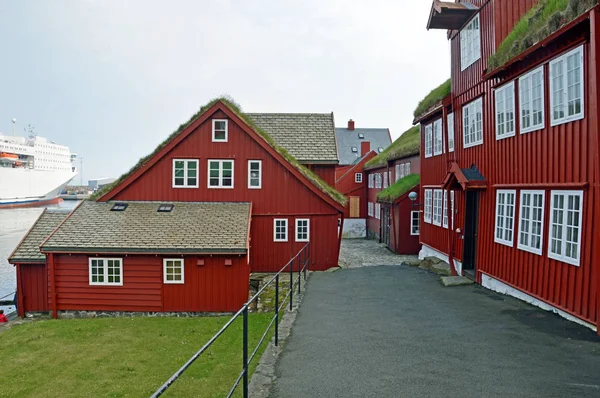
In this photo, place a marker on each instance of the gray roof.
(346, 139)
(473, 174)
(28, 250)
(309, 137)
(191, 227)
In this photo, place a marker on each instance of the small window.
(437, 137)
(105, 271)
(531, 100)
(450, 132)
(185, 173)
(378, 211)
(280, 230)
(385, 180)
(302, 230)
(472, 124)
(414, 223)
(407, 169)
(219, 133)
(428, 141)
(437, 207)
(505, 217)
(470, 44)
(531, 221)
(566, 210)
(428, 205)
(370, 209)
(220, 173)
(566, 87)
(173, 270)
(358, 178)
(254, 174)
(380, 149)
(119, 207)
(354, 149)
(505, 111)
(361, 136)
(371, 180)
(165, 208)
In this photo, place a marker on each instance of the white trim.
(358, 178)
(529, 248)
(529, 86)
(452, 208)
(428, 146)
(214, 122)
(576, 116)
(220, 161)
(471, 110)
(496, 285)
(105, 271)
(428, 251)
(307, 239)
(438, 137)
(185, 173)
(450, 129)
(259, 162)
(445, 210)
(275, 229)
(505, 207)
(412, 220)
(470, 44)
(181, 265)
(437, 220)
(507, 105)
(563, 240)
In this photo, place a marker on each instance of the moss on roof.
(433, 99)
(399, 188)
(235, 107)
(408, 144)
(538, 23)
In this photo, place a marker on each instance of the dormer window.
(219, 130)
(119, 207)
(354, 149)
(165, 208)
(361, 136)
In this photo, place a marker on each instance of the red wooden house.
(183, 229)
(510, 171)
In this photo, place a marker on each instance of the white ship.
(33, 171)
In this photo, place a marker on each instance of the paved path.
(365, 252)
(394, 331)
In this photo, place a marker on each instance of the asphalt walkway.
(394, 331)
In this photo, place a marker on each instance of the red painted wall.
(326, 172)
(347, 185)
(33, 281)
(401, 241)
(373, 224)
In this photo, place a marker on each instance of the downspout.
(340, 236)
(595, 38)
(449, 199)
(52, 285)
(396, 237)
(20, 298)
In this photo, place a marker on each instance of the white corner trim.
(458, 267)
(501, 287)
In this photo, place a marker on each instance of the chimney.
(350, 124)
(365, 147)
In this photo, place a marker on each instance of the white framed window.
(254, 174)
(472, 124)
(358, 178)
(106, 271)
(302, 229)
(407, 169)
(445, 211)
(505, 217)
(566, 87)
(531, 221)
(470, 44)
(531, 100)
(566, 211)
(428, 140)
(402, 170)
(378, 179)
(219, 130)
(437, 207)
(398, 175)
(505, 111)
(450, 132)
(428, 205)
(385, 180)
(437, 137)
(378, 211)
(370, 209)
(173, 270)
(185, 173)
(280, 230)
(415, 225)
(220, 173)
(371, 180)
(452, 209)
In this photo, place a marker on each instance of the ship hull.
(28, 187)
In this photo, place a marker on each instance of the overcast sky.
(111, 79)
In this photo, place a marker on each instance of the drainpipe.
(339, 237)
(20, 304)
(52, 285)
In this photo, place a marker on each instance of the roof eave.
(25, 260)
(450, 16)
(119, 250)
(429, 114)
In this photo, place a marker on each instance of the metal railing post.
(305, 259)
(291, 283)
(299, 275)
(245, 355)
(276, 310)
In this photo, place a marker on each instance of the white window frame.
(428, 140)
(563, 238)
(370, 209)
(285, 224)
(526, 85)
(452, 208)
(565, 89)
(307, 220)
(250, 162)
(105, 261)
(529, 219)
(385, 179)
(371, 180)
(501, 213)
(181, 265)
(437, 207)
(186, 163)
(504, 98)
(414, 213)
(438, 138)
(470, 112)
(378, 211)
(451, 132)
(445, 210)
(428, 205)
(398, 175)
(221, 186)
(214, 130)
(358, 178)
(407, 169)
(470, 43)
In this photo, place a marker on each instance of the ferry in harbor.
(33, 170)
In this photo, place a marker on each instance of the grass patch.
(122, 357)
(408, 144)
(399, 188)
(433, 99)
(538, 23)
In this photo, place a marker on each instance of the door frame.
(472, 202)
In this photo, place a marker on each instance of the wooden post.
(20, 301)
(52, 285)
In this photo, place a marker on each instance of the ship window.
(165, 208)
(119, 207)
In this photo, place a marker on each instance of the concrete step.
(455, 281)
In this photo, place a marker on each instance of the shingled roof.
(28, 251)
(309, 137)
(190, 227)
(346, 139)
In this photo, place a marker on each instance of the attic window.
(119, 207)
(354, 149)
(165, 208)
(219, 133)
(380, 149)
(361, 136)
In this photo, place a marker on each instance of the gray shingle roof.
(188, 228)
(29, 248)
(309, 137)
(346, 139)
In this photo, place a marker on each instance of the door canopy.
(469, 179)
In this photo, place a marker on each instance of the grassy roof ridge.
(433, 99)
(399, 188)
(545, 18)
(237, 109)
(408, 144)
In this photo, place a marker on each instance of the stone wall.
(354, 228)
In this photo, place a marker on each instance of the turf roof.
(237, 109)
(433, 99)
(538, 23)
(399, 188)
(408, 144)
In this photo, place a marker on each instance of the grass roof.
(538, 23)
(399, 188)
(433, 99)
(234, 107)
(408, 144)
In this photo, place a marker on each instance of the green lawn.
(123, 357)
